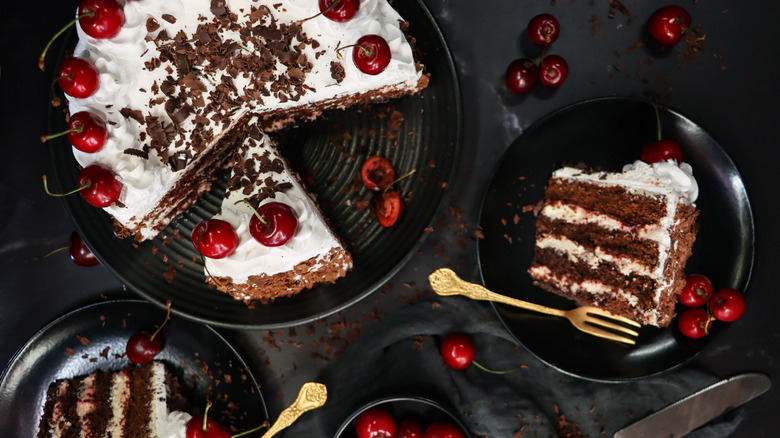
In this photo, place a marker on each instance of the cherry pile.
(378, 422)
(458, 351)
(725, 305)
(378, 175)
(523, 74)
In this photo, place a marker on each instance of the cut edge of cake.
(618, 241)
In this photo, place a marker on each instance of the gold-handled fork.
(311, 396)
(587, 319)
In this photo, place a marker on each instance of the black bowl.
(423, 409)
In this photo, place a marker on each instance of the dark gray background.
(729, 88)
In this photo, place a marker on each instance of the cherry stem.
(657, 121)
(366, 51)
(402, 177)
(330, 6)
(59, 195)
(50, 253)
(254, 210)
(167, 317)
(206, 415)
(247, 432)
(42, 59)
(45, 138)
(478, 365)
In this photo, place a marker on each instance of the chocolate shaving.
(169, 18)
(137, 153)
(152, 24)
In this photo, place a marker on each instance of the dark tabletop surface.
(728, 88)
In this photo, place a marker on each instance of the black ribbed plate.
(608, 133)
(327, 153)
(90, 338)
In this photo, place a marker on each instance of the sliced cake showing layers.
(182, 77)
(255, 271)
(618, 241)
(139, 401)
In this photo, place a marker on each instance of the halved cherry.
(388, 206)
(339, 10)
(86, 132)
(214, 238)
(78, 77)
(377, 173)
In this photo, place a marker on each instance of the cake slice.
(618, 241)
(139, 401)
(258, 272)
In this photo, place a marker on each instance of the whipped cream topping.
(133, 73)
(167, 424)
(312, 239)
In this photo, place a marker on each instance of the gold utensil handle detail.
(311, 396)
(445, 283)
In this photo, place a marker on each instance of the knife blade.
(699, 408)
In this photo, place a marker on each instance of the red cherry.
(79, 253)
(101, 186)
(377, 173)
(212, 429)
(697, 291)
(662, 150)
(278, 225)
(376, 422)
(458, 351)
(553, 71)
(78, 77)
(103, 19)
(86, 132)
(339, 10)
(142, 347)
(214, 238)
(667, 24)
(409, 428)
(371, 54)
(387, 207)
(728, 305)
(521, 76)
(443, 429)
(694, 323)
(543, 29)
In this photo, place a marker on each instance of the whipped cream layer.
(164, 424)
(166, 97)
(261, 162)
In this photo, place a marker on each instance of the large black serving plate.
(327, 153)
(94, 337)
(608, 133)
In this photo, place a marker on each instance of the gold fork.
(587, 319)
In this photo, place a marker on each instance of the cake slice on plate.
(618, 241)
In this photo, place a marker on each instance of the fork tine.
(605, 314)
(595, 331)
(604, 323)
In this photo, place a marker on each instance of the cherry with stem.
(388, 204)
(662, 149)
(86, 132)
(80, 254)
(143, 346)
(458, 351)
(97, 184)
(78, 77)
(371, 54)
(273, 223)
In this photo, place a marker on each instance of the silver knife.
(699, 408)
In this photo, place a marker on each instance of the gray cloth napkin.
(399, 355)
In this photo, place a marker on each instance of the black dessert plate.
(608, 133)
(421, 132)
(94, 337)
